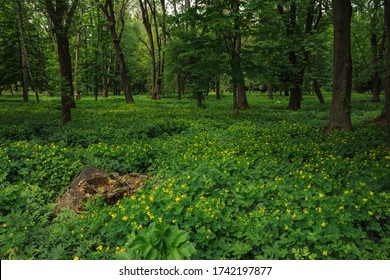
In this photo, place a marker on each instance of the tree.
(156, 41)
(387, 81)
(340, 113)
(299, 53)
(116, 35)
(61, 14)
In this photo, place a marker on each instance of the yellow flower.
(4, 225)
(113, 215)
(140, 226)
(173, 221)
(370, 213)
(305, 211)
(76, 258)
(132, 197)
(188, 177)
(11, 235)
(294, 216)
(322, 195)
(341, 207)
(99, 248)
(323, 224)
(346, 192)
(124, 218)
(371, 193)
(147, 208)
(177, 199)
(81, 235)
(365, 200)
(324, 253)
(160, 220)
(151, 198)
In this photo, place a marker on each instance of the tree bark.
(23, 51)
(270, 91)
(374, 54)
(317, 90)
(340, 112)
(387, 81)
(240, 101)
(61, 14)
(108, 10)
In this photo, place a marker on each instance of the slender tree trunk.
(317, 90)
(387, 81)
(218, 90)
(340, 112)
(108, 10)
(23, 51)
(374, 54)
(270, 90)
(76, 65)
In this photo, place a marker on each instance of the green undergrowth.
(270, 184)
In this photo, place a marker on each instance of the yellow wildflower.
(341, 207)
(99, 248)
(76, 258)
(323, 224)
(173, 221)
(124, 218)
(113, 215)
(140, 226)
(322, 195)
(324, 253)
(4, 225)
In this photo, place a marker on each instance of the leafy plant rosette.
(160, 241)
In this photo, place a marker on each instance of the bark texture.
(340, 112)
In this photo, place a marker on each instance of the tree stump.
(93, 181)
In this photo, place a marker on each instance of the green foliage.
(269, 185)
(160, 241)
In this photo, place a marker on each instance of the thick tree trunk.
(67, 100)
(340, 112)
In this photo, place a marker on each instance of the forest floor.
(270, 184)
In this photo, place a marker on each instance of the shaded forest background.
(185, 47)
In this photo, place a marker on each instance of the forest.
(209, 129)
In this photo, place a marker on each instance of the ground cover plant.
(270, 184)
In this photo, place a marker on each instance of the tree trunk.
(108, 10)
(218, 90)
(317, 90)
(23, 52)
(67, 100)
(270, 91)
(76, 64)
(387, 81)
(340, 112)
(375, 55)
